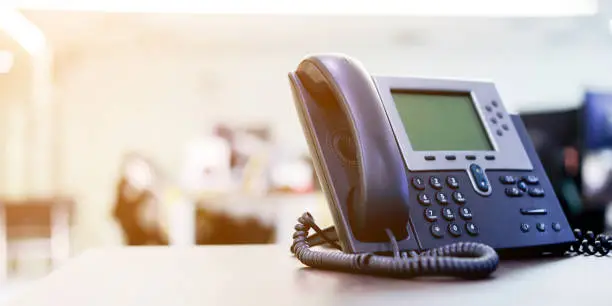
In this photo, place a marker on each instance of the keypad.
(424, 199)
(430, 215)
(418, 183)
(452, 182)
(435, 182)
(448, 214)
(458, 197)
(471, 229)
(441, 198)
(454, 229)
(465, 213)
(445, 207)
(436, 230)
(528, 184)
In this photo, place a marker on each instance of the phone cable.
(462, 259)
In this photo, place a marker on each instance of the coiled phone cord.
(589, 244)
(462, 259)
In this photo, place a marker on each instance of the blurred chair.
(38, 227)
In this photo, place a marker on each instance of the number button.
(452, 182)
(430, 215)
(522, 186)
(418, 183)
(471, 228)
(458, 197)
(465, 213)
(435, 182)
(441, 198)
(454, 229)
(424, 199)
(436, 231)
(448, 214)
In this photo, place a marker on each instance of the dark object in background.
(557, 138)
(136, 208)
(129, 208)
(596, 132)
(218, 227)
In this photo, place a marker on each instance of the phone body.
(431, 161)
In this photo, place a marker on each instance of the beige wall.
(154, 99)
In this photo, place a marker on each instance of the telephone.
(423, 176)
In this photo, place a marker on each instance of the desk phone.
(423, 176)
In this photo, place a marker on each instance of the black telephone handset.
(423, 176)
(379, 193)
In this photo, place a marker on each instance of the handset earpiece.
(379, 200)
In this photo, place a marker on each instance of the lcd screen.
(437, 121)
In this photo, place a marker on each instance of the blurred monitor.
(554, 134)
(596, 132)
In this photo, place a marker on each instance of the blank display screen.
(441, 121)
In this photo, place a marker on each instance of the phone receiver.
(377, 195)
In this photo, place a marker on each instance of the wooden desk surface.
(269, 275)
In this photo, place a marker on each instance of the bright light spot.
(27, 34)
(6, 61)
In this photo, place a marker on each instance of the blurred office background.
(179, 129)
